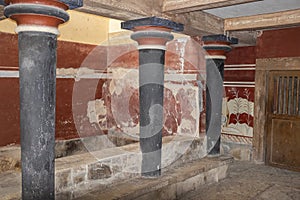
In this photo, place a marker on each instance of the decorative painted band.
(239, 86)
(37, 28)
(156, 39)
(37, 14)
(240, 65)
(36, 9)
(152, 34)
(58, 4)
(71, 4)
(161, 47)
(236, 139)
(215, 57)
(239, 69)
(239, 82)
(15, 74)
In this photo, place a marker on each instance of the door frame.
(263, 68)
(272, 116)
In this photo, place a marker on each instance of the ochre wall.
(82, 28)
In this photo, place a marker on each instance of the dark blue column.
(152, 34)
(216, 47)
(37, 29)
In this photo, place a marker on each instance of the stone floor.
(247, 181)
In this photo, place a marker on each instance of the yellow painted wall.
(86, 28)
(82, 28)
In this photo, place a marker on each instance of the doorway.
(283, 120)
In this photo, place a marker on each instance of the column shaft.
(152, 34)
(214, 95)
(216, 47)
(151, 88)
(37, 28)
(37, 110)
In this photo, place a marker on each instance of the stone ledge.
(174, 182)
(78, 174)
(10, 156)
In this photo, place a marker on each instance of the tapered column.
(152, 34)
(37, 29)
(216, 47)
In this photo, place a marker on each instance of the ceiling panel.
(255, 8)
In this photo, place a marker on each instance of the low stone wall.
(174, 183)
(10, 156)
(240, 148)
(94, 143)
(78, 173)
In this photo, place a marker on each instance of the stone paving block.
(166, 193)
(79, 175)
(98, 171)
(222, 172)
(190, 184)
(211, 176)
(10, 158)
(279, 192)
(63, 179)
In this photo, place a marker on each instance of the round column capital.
(151, 37)
(37, 15)
(152, 32)
(217, 46)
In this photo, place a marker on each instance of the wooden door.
(283, 136)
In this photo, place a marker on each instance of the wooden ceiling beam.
(199, 23)
(246, 38)
(264, 21)
(184, 6)
(122, 10)
(196, 23)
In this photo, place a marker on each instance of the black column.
(37, 110)
(152, 34)
(151, 82)
(216, 47)
(214, 95)
(37, 28)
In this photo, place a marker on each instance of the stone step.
(80, 173)
(10, 156)
(108, 166)
(174, 182)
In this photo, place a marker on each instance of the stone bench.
(78, 174)
(174, 183)
(81, 172)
